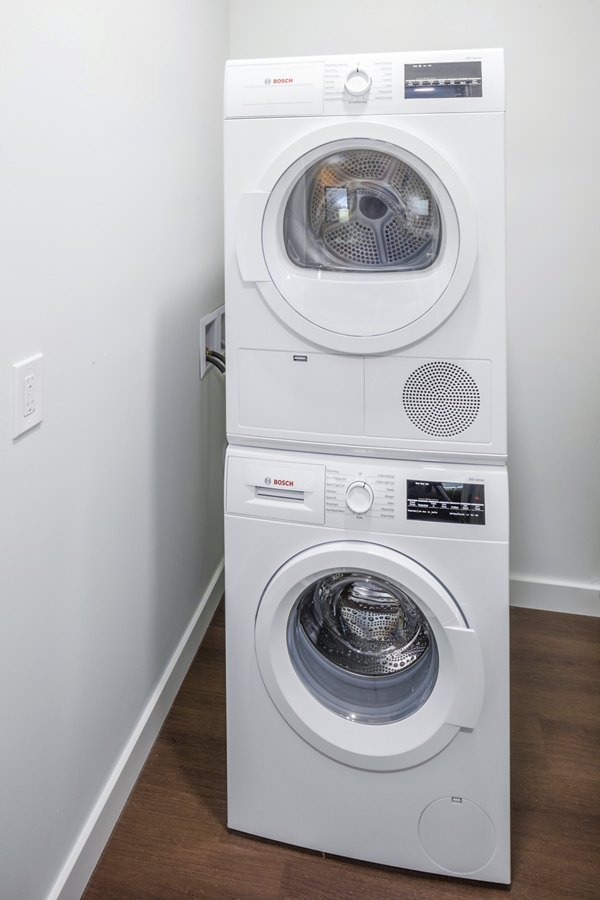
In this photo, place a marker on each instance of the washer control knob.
(357, 83)
(359, 497)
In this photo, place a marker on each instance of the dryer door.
(367, 656)
(368, 238)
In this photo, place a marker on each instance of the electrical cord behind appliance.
(217, 359)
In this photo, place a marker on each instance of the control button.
(359, 497)
(357, 83)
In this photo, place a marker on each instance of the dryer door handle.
(470, 677)
(248, 244)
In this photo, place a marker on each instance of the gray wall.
(110, 511)
(553, 282)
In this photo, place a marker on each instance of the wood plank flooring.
(172, 842)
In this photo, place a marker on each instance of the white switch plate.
(27, 394)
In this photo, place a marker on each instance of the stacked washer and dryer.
(366, 522)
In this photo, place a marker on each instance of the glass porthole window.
(362, 647)
(362, 210)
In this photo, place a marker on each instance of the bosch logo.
(282, 482)
(267, 81)
(267, 480)
(279, 80)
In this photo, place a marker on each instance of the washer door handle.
(470, 677)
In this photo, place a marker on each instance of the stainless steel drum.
(363, 647)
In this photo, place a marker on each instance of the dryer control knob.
(359, 497)
(357, 83)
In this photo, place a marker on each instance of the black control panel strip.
(440, 501)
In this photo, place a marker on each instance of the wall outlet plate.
(27, 394)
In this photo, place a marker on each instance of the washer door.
(367, 656)
(368, 238)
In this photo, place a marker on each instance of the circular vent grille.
(441, 399)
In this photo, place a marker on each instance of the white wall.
(110, 511)
(553, 282)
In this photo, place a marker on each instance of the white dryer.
(365, 259)
(367, 658)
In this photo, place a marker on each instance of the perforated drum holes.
(356, 243)
(364, 163)
(364, 624)
(441, 399)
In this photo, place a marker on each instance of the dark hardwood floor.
(172, 842)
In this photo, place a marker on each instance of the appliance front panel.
(294, 321)
(367, 656)
(423, 562)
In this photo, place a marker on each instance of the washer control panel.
(354, 493)
(371, 496)
(445, 501)
(359, 495)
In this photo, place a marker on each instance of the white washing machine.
(367, 658)
(365, 258)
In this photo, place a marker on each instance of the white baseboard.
(539, 593)
(86, 851)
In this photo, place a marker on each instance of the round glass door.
(367, 656)
(362, 210)
(368, 237)
(362, 647)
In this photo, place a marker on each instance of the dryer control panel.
(366, 84)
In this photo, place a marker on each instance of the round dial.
(359, 497)
(357, 83)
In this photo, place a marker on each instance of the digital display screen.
(450, 79)
(445, 501)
